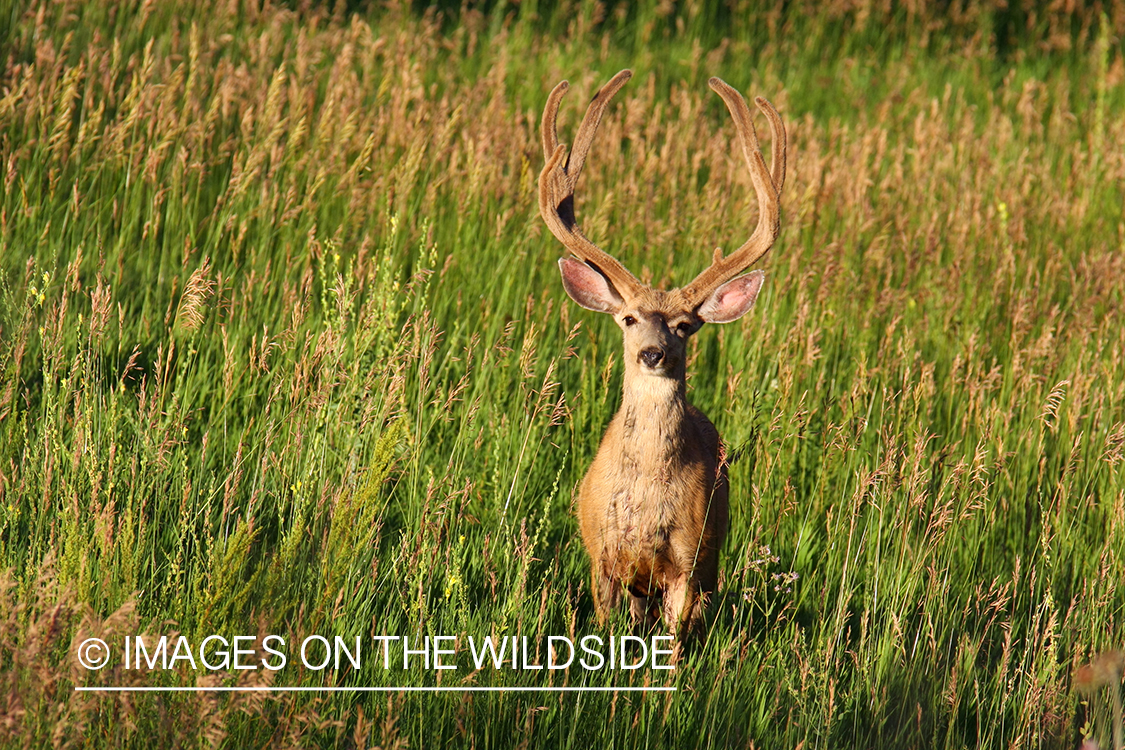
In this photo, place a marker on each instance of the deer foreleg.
(682, 610)
(606, 591)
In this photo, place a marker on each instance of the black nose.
(651, 356)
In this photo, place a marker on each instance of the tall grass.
(283, 350)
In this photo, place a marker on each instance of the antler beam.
(560, 175)
(767, 184)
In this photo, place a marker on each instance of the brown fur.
(653, 506)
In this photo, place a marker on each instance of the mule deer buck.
(653, 506)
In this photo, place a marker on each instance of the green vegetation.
(283, 349)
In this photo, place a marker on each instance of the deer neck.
(653, 410)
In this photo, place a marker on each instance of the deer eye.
(630, 320)
(684, 329)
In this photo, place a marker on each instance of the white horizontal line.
(266, 689)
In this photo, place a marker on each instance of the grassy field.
(284, 349)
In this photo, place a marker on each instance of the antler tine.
(780, 142)
(560, 175)
(767, 186)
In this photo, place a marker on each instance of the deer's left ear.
(733, 299)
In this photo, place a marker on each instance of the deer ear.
(733, 299)
(589, 288)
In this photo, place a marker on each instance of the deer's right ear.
(589, 288)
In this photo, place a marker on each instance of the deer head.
(657, 323)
